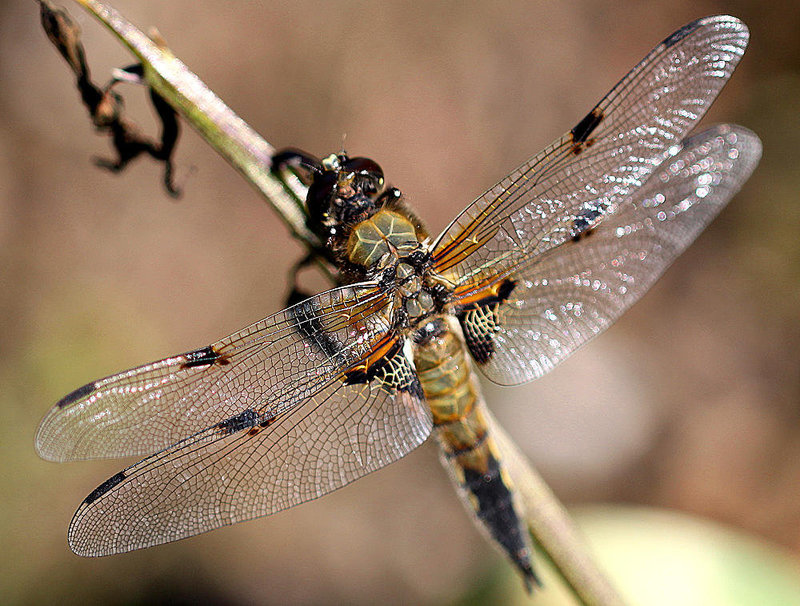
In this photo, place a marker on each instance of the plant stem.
(552, 528)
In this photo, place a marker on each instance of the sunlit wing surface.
(282, 412)
(328, 390)
(562, 298)
(603, 159)
(251, 467)
(267, 368)
(586, 183)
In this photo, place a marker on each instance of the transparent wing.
(238, 471)
(606, 157)
(564, 297)
(268, 367)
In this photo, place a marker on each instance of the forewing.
(556, 301)
(254, 466)
(268, 367)
(603, 159)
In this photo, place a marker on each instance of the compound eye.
(318, 199)
(367, 173)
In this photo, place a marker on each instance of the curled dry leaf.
(106, 106)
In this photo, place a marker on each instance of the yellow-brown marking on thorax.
(386, 231)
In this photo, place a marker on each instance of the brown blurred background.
(692, 401)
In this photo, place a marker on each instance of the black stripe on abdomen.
(495, 508)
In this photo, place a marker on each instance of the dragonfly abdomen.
(468, 451)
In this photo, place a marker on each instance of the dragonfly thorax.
(415, 295)
(388, 245)
(382, 239)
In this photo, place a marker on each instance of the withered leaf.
(106, 106)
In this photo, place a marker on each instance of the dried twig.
(106, 106)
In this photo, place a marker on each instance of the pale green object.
(657, 557)
(666, 557)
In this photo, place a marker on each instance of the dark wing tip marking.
(104, 488)
(205, 356)
(687, 29)
(681, 33)
(76, 395)
(584, 128)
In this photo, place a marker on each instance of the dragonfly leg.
(298, 293)
(295, 162)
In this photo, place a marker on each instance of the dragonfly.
(347, 381)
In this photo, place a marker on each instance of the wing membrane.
(608, 154)
(268, 367)
(219, 477)
(566, 296)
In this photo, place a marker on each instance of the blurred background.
(691, 402)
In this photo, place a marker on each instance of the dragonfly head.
(344, 192)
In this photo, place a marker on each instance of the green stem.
(555, 532)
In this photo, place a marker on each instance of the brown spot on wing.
(244, 420)
(205, 356)
(266, 421)
(580, 133)
(76, 395)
